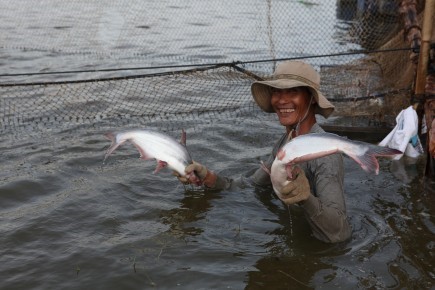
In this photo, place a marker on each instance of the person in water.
(293, 94)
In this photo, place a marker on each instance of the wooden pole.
(423, 85)
(423, 61)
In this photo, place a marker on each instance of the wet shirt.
(325, 209)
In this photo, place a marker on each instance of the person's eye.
(275, 90)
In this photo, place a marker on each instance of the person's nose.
(284, 99)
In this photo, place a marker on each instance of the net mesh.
(89, 63)
(190, 95)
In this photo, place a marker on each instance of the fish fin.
(145, 157)
(112, 137)
(281, 154)
(183, 137)
(368, 161)
(293, 171)
(265, 168)
(289, 170)
(194, 179)
(160, 165)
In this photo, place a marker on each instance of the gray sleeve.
(256, 177)
(325, 209)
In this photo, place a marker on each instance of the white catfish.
(154, 145)
(311, 146)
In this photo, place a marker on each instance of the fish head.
(278, 174)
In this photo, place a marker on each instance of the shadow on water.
(193, 207)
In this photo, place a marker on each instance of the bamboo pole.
(423, 60)
(421, 91)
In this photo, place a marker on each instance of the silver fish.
(154, 145)
(311, 146)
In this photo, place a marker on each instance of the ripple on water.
(69, 219)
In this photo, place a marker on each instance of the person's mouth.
(286, 110)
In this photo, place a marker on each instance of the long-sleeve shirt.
(325, 208)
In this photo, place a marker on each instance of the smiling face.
(291, 105)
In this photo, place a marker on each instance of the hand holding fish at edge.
(311, 146)
(155, 145)
(298, 189)
(205, 176)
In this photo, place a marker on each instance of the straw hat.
(290, 74)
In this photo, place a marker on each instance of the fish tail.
(112, 137)
(368, 160)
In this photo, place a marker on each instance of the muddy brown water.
(70, 222)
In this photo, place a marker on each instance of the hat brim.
(262, 93)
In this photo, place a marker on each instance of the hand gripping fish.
(311, 146)
(154, 145)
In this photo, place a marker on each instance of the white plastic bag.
(404, 136)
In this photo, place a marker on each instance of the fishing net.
(187, 96)
(95, 64)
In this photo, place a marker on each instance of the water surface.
(68, 221)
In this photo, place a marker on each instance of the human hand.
(198, 174)
(296, 190)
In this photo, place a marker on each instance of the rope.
(114, 78)
(204, 64)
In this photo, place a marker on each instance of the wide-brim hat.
(291, 74)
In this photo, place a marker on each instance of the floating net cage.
(133, 63)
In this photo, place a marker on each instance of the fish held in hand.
(154, 145)
(311, 146)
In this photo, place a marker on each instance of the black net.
(89, 63)
(196, 96)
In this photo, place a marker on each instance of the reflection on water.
(193, 208)
(405, 169)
